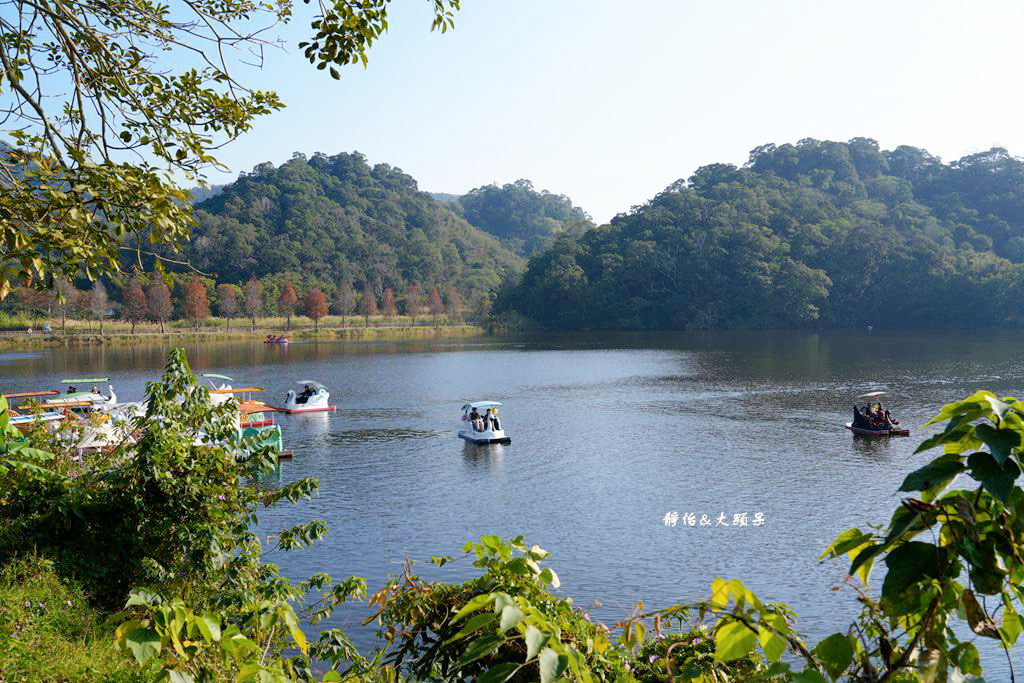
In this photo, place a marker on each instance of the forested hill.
(339, 219)
(526, 220)
(839, 234)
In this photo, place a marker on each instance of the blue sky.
(609, 102)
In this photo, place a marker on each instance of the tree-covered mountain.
(522, 218)
(337, 219)
(841, 233)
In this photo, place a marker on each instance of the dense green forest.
(526, 220)
(337, 219)
(840, 234)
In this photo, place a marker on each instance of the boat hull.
(485, 437)
(315, 409)
(876, 432)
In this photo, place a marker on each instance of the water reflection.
(485, 456)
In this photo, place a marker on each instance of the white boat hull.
(488, 436)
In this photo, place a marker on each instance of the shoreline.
(15, 340)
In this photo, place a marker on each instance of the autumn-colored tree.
(196, 306)
(287, 302)
(413, 301)
(99, 302)
(134, 306)
(387, 303)
(227, 302)
(367, 303)
(315, 306)
(159, 299)
(253, 292)
(435, 304)
(454, 303)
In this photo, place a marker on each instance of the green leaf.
(551, 665)
(331, 677)
(734, 640)
(849, 542)
(969, 661)
(1000, 442)
(864, 561)
(498, 674)
(475, 623)
(144, 644)
(510, 616)
(942, 469)
(772, 644)
(995, 477)
(209, 627)
(473, 605)
(1011, 627)
(719, 594)
(481, 647)
(180, 677)
(909, 563)
(835, 654)
(535, 640)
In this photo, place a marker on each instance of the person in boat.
(307, 391)
(476, 420)
(890, 420)
(72, 389)
(270, 338)
(860, 420)
(95, 390)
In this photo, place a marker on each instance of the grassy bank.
(81, 333)
(48, 631)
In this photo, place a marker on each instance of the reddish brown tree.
(413, 301)
(435, 304)
(227, 303)
(134, 306)
(196, 306)
(159, 298)
(315, 306)
(387, 303)
(367, 303)
(253, 300)
(287, 302)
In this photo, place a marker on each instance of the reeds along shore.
(18, 332)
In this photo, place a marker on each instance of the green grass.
(48, 631)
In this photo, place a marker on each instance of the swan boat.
(314, 398)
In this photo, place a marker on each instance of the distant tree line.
(162, 297)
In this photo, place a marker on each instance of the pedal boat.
(492, 432)
(317, 402)
(873, 398)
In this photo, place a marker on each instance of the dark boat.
(861, 426)
(877, 432)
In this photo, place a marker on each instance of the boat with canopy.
(483, 424)
(874, 419)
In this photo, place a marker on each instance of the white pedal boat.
(78, 399)
(486, 428)
(313, 399)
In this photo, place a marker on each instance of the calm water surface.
(609, 433)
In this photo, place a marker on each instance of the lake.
(610, 432)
